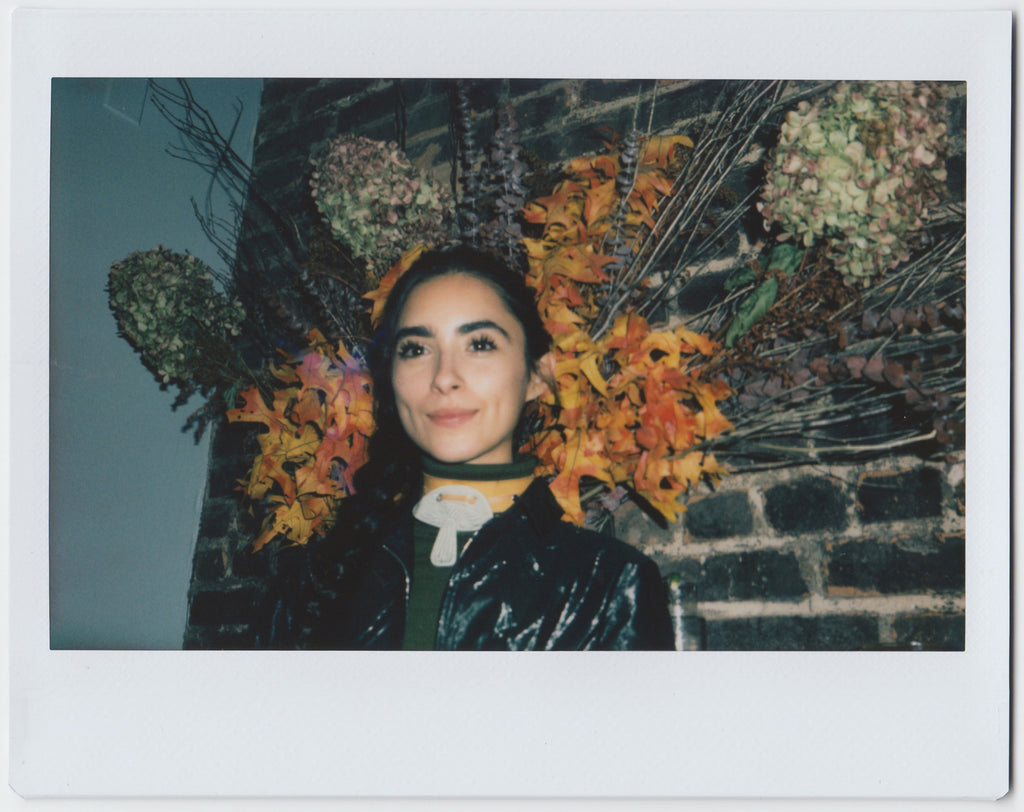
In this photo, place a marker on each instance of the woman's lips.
(450, 418)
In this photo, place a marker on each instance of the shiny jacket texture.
(527, 581)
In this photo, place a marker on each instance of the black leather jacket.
(527, 581)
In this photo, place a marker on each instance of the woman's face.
(460, 373)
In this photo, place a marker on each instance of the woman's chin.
(469, 456)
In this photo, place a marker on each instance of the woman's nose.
(446, 374)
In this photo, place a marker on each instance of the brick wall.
(832, 557)
(869, 556)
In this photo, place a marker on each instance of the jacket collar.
(537, 505)
(540, 506)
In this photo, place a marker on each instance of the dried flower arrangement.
(167, 307)
(804, 347)
(375, 201)
(859, 169)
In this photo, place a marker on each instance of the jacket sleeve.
(292, 613)
(637, 614)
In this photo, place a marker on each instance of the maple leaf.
(289, 521)
(627, 329)
(284, 372)
(620, 435)
(380, 294)
(600, 202)
(710, 421)
(689, 469)
(332, 446)
(652, 471)
(255, 410)
(696, 342)
(581, 455)
(266, 470)
(660, 149)
(308, 409)
(270, 471)
(606, 165)
(589, 367)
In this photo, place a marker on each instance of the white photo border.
(713, 724)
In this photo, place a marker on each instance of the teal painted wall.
(126, 485)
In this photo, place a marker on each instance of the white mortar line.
(816, 606)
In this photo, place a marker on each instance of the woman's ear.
(542, 379)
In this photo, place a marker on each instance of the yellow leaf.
(588, 366)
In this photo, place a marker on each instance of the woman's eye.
(409, 349)
(482, 344)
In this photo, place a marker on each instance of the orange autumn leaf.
(589, 367)
(580, 265)
(600, 203)
(696, 341)
(308, 408)
(315, 439)
(266, 470)
(380, 294)
(660, 149)
(582, 455)
(291, 521)
(254, 410)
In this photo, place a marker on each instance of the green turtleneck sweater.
(429, 582)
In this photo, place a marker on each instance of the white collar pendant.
(452, 509)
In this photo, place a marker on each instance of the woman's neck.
(500, 484)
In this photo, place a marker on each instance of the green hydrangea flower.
(376, 202)
(859, 169)
(168, 308)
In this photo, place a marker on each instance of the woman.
(449, 541)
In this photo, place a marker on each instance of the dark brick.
(569, 141)
(787, 633)
(217, 608)
(484, 96)
(428, 115)
(930, 632)
(523, 87)
(885, 567)
(908, 495)
(700, 291)
(217, 517)
(684, 100)
(279, 173)
(273, 118)
(956, 176)
(328, 93)
(760, 575)
(246, 563)
(208, 566)
(603, 91)
(540, 111)
(225, 472)
(368, 114)
(281, 91)
(726, 514)
(807, 504)
(228, 439)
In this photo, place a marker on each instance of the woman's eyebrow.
(483, 324)
(418, 332)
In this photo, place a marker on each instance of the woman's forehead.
(454, 297)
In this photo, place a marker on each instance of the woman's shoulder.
(570, 539)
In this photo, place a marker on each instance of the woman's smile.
(451, 418)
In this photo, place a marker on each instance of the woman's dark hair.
(392, 474)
